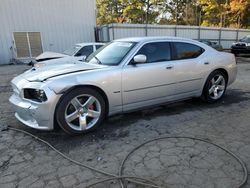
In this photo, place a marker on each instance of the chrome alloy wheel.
(83, 112)
(217, 87)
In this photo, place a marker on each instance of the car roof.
(166, 38)
(89, 43)
(145, 39)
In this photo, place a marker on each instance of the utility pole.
(196, 14)
(221, 15)
(147, 11)
(225, 14)
(176, 13)
(200, 19)
(186, 13)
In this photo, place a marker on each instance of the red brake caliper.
(91, 107)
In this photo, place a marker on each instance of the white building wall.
(60, 22)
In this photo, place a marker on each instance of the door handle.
(206, 63)
(169, 67)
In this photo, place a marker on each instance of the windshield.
(71, 51)
(111, 54)
(245, 39)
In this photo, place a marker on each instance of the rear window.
(187, 50)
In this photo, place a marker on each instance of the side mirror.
(140, 59)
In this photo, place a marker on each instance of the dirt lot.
(173, 163)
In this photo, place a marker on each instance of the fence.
(224, 36)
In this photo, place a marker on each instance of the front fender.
(108, 81)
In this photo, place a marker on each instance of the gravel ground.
(173, 163)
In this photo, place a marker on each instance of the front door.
(151, 82)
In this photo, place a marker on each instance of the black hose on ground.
(130, 178)
(136, 180)
(244, 179)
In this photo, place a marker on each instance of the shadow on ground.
(108, 131)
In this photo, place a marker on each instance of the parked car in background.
(243, 46)
(78, 51)
(212, 44)
(122, 76)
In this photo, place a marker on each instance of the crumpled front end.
(35, 114)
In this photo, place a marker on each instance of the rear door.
(188, 66)
(151, 82)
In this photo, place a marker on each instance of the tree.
(183, 12)
(246, 16)
(133, 11)
(224, 13)
(214, 12)
(108, 11)
(174, 10)
(239, 13)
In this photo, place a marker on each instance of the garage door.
(28, 44)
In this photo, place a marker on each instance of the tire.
(215, 87)
(81, 110)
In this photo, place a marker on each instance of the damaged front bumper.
(31, 113)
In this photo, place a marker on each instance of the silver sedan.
(124, 75)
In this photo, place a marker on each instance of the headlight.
(247, 44)
(35, 95)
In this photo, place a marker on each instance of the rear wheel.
(215, 87)
(80, 111)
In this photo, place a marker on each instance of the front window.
(71, 51)
(111, 54)
(156, 52)
(85, 51)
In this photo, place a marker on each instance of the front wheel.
(80, 111)
(215, 87)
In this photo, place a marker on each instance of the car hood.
(50, 55)
(45, 72)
